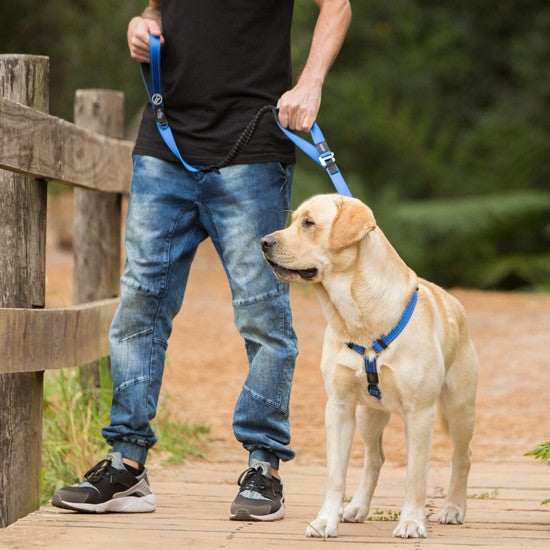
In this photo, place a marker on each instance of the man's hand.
(138, 37)
(299, 106)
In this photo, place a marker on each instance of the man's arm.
(139, 29)
(299, 106)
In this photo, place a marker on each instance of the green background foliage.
(437, 112)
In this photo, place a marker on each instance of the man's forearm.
(298, 108)
(328, 37)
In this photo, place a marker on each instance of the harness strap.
(381, 344)
(318, 151)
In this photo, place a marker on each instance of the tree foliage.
(437, 111)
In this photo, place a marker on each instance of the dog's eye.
(306, 222)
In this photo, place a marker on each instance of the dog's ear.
(353, 221)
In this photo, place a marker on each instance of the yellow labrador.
(364, 287)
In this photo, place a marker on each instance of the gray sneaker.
(260, 496)
(108, 487)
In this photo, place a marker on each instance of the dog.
(429, 370)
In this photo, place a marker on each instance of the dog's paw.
(322, 527)
(452, 514)
(355, 513)
(410, 529)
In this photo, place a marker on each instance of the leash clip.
(160, 116)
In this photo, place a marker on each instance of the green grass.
(73, 417)
(384, 515)
(542, 453)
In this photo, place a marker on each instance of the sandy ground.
(206, 366)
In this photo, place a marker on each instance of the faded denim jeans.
(170, 212)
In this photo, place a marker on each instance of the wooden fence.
(36, 147)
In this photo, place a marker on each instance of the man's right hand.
(138, 37)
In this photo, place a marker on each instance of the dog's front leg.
(340, 424)
(371, 423)
(418, 431)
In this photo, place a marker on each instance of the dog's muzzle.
(268, 245)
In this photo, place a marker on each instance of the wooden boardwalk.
(193, 502)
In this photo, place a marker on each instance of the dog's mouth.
(284, 272)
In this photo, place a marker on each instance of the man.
(221, 62)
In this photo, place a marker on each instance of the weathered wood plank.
(200, 521)
(23, 78)
(32, 339)
(97, 215)
(44, 146)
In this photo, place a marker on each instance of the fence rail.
(36, 147)
(44, 146)
(42, 339)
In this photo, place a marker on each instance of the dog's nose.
(268, 242)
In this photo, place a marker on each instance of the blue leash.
(318, 151)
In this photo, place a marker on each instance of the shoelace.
(98, 471)
(252, 480)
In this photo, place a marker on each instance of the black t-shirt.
(222, 61)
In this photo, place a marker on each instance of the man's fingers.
(306, 124)
(138, 37)
(153, 27)
(283, 115)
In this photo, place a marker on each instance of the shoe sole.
(244, 515)
(134, 505)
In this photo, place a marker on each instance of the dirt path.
(206, 367)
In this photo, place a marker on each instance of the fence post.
(96, 244)
(25, 79)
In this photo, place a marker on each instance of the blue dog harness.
(380, 345)
(318, 151)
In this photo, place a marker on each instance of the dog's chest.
(353, 374)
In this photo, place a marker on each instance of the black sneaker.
(108, 487)
(260, 496)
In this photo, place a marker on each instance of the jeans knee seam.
(274, 293)
(144, 332)
(261, 398)
(129, 384)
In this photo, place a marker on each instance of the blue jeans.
(170, 212)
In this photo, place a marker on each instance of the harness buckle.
(160, 116)
(372, 378)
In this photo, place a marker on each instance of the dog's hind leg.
(418, 430)
(340, 425)
(457, 403)
(371, 423)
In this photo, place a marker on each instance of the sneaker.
(260, 495)
(108, 487)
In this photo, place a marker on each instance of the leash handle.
(319, 151)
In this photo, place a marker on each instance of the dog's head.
(321, 239)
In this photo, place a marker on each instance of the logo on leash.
(156, 99)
